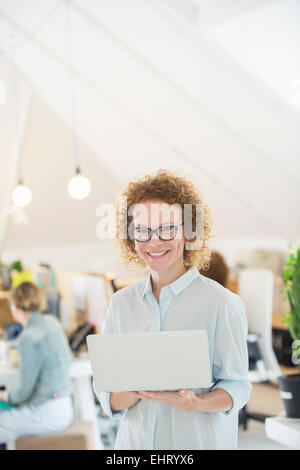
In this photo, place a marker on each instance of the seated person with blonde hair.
(42, 399)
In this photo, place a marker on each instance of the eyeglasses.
(164, 232)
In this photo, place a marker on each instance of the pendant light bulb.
(79, 186)
(21, 195)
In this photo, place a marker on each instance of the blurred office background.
(114, 89)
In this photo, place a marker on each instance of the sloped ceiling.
(47, 165)
(152, 93)
(266, 41)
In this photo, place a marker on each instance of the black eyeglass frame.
(155, 230)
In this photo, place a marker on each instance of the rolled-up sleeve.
(104, 397)
(230, 357)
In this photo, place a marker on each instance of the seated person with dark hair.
(218, 269)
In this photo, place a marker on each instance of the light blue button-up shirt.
(191, 302)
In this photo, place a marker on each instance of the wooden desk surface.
(5, 294)
(5, 313)
(277, 321)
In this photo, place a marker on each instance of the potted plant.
(18, 274)
(289, 385)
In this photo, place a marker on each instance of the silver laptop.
(164, 360)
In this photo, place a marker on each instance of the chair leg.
(257, 417)
(243, 418)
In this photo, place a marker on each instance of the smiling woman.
(172, 193)
(155, 230)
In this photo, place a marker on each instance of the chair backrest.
(256, 288)
(53, 300)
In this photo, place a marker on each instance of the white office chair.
(256, 288)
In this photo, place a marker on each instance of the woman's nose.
(154, 236)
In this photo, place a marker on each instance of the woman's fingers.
(164, 397)
(182, 399)
(156, 396)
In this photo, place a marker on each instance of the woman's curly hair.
(165, 186)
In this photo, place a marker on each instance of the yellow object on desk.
(11, 354)
(19, 277)
(14, 357)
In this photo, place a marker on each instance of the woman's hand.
(2, 395)
(211, 402)
(183, 399)
(123, 400)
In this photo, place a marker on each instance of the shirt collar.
(178, 285)
(31, 319)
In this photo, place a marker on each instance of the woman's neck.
(166, 277)
(24, 318)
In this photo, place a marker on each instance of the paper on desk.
(2, 352)
(96, 298)
(65, 314)
(78, 284)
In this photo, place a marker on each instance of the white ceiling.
(152, 92)
(266, 41)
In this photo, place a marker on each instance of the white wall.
(99, 257)
(231, 247)
(102, 257)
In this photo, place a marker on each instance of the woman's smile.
(157, 254)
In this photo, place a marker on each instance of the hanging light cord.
(69, 52)
(17, 153)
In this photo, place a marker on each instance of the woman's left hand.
(183, 399)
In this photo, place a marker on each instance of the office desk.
(5, 294)
(284, 430)
(83, 395)
(8, 375)
(5, 313)
(277, 321)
